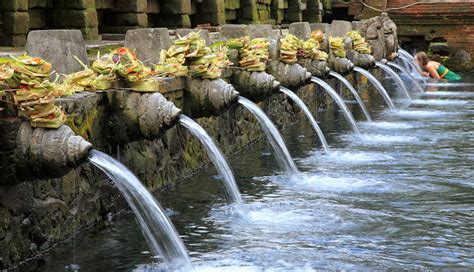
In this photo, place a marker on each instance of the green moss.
(83, 124)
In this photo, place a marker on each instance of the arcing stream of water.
(216, 157)
(281, 151)
(309, 115)
(354, 93)
(377, 85)
(413, 79)
(158, 230)
(331, 92)
(395, 77)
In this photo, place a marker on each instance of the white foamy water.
(439, 102)
(442, 93)
(376, 139)
(419, 113)
(339, 156)
(387, 125)
(325, 183)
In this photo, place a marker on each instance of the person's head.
(422, 59)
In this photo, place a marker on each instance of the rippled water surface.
(400, 196)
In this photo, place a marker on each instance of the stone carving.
(381, 33)
(206, 97)
(289, 75)
(317, 68)
(255, 86)
(48, 153)
(141, 115)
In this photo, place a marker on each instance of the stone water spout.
(255, 86)
(141, 115)
(44, 153)
(205, 97)
(289, 75)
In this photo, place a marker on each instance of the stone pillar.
(294, 13)
(232, 7)
(38, 11)
(212, 12)
(256, 12)
(77, 14)
(15, 22)
(313, 12)
(125, 15)
(175, 13)
(278, 8)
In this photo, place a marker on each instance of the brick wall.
(435, 20)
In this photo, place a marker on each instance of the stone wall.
(94, 17)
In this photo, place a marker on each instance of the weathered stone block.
(16, 22)
(294, 17)
(340, 28)
(172, 20)
(148, 42)
(262, 31)
(58, 47)
(14, 5)
(18, 40)
(230, 31)
(176, 6)
(74, 4)
(302, 30)
(74, 18)
(130, 5)
(90, 33)
(138, 19)
(324, 27)
(104, 4)
(37, 18)
(153, 6)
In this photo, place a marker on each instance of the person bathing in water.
(434, 69)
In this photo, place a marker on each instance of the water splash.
(216, 157)
(274, 137)
(157, 228)
(440, 102)
(442, 93)
(310, 117)
(347, 114)
(395, 77)
(377, 85)
(354, 93)
(413, 79)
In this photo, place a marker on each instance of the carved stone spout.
(206, 97)
(317, 68)
(255, 86)
(289, 75)
(361, 60)
(48, 153)
(340, 65)
(140, 115)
